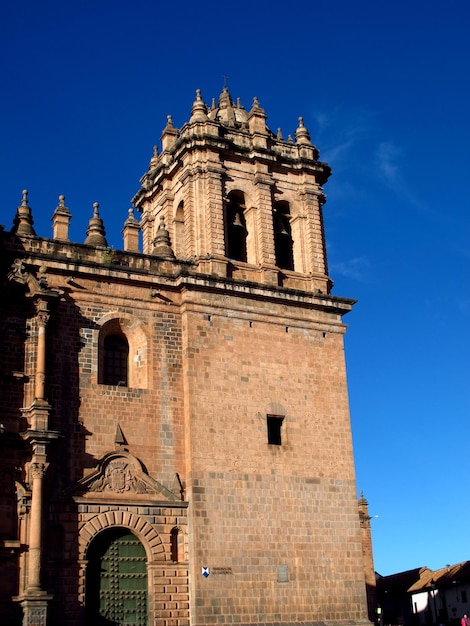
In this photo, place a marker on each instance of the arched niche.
(123, 348)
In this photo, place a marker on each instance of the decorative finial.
(169, 135)
(131, 231)
(301, 134)
(279, 135)
(240, 105)
(169, 128)
(161, 243)
(256, 108)
(23, 222)
(61, 221)
(131, 221)
(199, 110)
(154, 158)
(96, 232)
(225, 100)
(61, 208)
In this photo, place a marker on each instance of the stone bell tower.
(270, 470)
(239, 200)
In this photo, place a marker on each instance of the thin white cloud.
(357, 268)
(338, 152)
(387, 161)
(339, 133)
(348, 142)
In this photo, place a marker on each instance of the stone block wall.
(261, 509)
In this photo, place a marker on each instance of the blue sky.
(384, 90)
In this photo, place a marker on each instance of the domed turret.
(227, 113)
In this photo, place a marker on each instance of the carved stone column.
(33, 598)
(40, 379)
(312, 258)
(38, 470)
(264, 226)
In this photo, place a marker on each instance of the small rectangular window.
(274, 423)
(464, 596)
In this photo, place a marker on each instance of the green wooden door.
(117, 580)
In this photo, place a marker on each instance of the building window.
(174, 539)
(236, 227)
(283, 244)
(179, 243)
(464, 596)
(274, 423)
(115, 360)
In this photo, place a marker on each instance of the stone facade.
(177, 437)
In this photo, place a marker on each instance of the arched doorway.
(116, 580)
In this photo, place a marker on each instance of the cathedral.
(175, 436)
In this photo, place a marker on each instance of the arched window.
(283, 244)
(115, 360)
(179, 244)
(122, 352)
(236, 227)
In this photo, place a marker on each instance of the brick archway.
(144, 531)
(147, 534)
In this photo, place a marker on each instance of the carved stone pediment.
(120, 474)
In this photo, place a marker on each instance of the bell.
(237, 221)
(281, 229)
